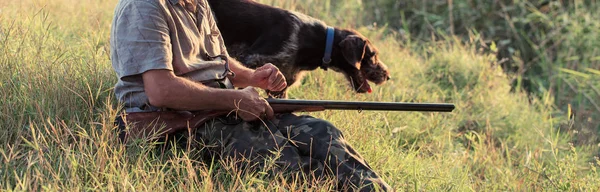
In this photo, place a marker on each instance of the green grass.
(544, 45)
(57, 107)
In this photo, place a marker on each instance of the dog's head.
(359, 60)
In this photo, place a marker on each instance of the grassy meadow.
(524, 79)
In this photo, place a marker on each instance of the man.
(169, 56)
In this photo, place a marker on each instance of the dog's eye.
(374, 60)
(369, 61)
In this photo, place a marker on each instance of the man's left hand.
(268, 77)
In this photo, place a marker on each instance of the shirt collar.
(189, 7)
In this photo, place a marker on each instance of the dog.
(256, 34)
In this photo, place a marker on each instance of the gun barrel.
(367, 106)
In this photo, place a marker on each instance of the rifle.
(166, 122)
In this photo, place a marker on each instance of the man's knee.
(326, 126)
(315, 127)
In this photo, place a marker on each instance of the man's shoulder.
(153, 3)
(137, 7)
(148, 1)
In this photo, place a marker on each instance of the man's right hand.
(252, 106)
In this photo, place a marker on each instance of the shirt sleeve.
(141, 39)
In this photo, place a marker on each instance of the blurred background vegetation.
(545, 46)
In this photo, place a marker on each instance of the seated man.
(169, 56)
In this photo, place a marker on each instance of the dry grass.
(57, 106)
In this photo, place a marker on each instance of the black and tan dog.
(256, 34)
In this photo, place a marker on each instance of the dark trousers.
(301, 143)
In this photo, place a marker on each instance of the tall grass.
(57, 107)
(545, 46)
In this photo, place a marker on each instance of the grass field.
(57, 106)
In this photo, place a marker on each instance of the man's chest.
(194, 31)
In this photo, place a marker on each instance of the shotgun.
(290, 106)
(166, 122)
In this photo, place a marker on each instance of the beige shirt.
(163, 34)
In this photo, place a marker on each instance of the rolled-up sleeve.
(141, 39)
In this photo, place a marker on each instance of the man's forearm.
(242, 74)
(182, 94)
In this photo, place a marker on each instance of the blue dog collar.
(328, 47)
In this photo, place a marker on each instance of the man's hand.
(252, 107)
(268, 77)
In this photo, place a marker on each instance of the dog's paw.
(278, 94)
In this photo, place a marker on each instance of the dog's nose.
(389, 78)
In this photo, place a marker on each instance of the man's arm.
(267, 77)
(142, 44)
(165, 89)
(242, 73)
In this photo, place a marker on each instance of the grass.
(57, 106)
(544, 45)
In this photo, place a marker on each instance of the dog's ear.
(353, 49)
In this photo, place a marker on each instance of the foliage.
(545, 46)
